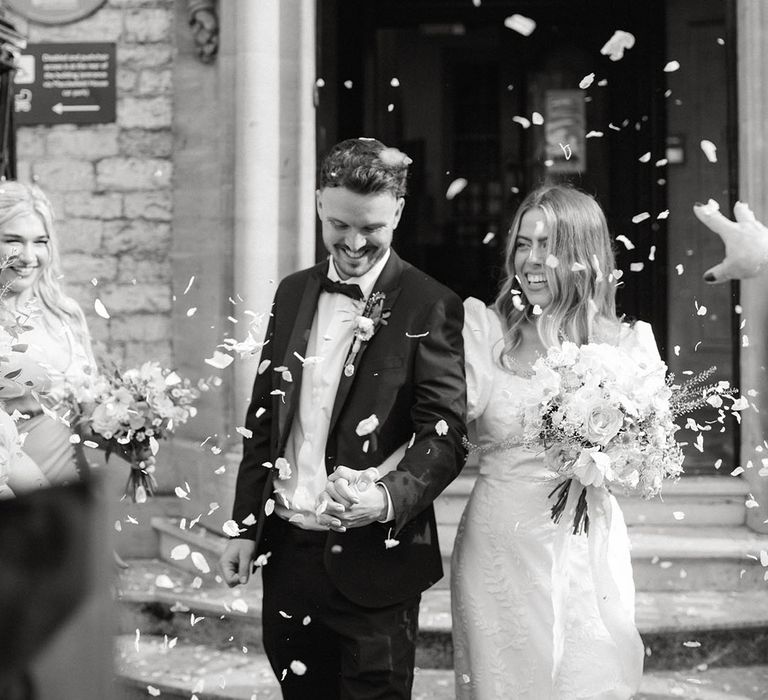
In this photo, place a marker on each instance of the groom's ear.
(319, 203)
(398, 211)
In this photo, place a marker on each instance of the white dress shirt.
(329, 342)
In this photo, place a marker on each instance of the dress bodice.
(493, 391)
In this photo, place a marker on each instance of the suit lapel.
(297, 343)
(388, 283)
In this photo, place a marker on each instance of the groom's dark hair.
(365, 166)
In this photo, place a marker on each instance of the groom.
(363, 357)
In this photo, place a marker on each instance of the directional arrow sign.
(60, 108)
(67, 83)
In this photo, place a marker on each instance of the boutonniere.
(372, 317)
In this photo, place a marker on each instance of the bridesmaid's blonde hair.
(17, 199)
(583, 300)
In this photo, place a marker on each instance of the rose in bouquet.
(605, 418)
(130, 411)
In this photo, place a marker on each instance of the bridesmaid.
(58, 338)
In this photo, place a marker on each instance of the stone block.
(125, 174)
(88, 142)
(23, 170)
(139, 143)
(148, 25)
(126, 80)
(144, 271)
(79, 235)
(63, 175)
(80, 268)
(145, 112)
(157, 206)
(134, 298)
(30, 142)
(155, 82)
(104, 25)
(137, 353)
(91, 205)
(140, 3)
(136, 56)
(140, 238)
(145, 328)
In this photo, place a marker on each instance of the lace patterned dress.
(538, 613)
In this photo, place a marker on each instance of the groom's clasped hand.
(351, 499)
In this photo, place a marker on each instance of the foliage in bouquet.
(129, 411)
(605, 417)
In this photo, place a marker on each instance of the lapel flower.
(372, 317)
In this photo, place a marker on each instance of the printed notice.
(65, 84)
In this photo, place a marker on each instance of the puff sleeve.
(477, 356)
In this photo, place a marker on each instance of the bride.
(539, 612)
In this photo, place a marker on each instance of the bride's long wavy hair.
(584, 299)
(16, 199)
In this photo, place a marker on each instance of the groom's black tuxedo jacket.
(411, 376)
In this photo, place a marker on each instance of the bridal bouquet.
(605, 418)
(130, 411)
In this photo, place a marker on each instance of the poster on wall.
(65, 84)
(54, 11)
(565, 131)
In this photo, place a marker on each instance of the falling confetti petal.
(537, 119)
(200, 562)
(638, 218)
(636, 266)
(627, 243)
(615, 46)
(645, 158)
(520, 24)
(230, 528)
(180, 551)
(455, 188)
(239, 605)
(181, 493)
(551, 261)
(525, 123)
(488, 237)
(441, 427)
(367, 425)
(244, 432)
(586, 81)
(164, 581)
(710, 151)
(100, 309)
(594, 134)
(154, 692)
(671, 67)
(191, 311)
(219, 360)
(663, 214)
(578, 267)
(298, 668)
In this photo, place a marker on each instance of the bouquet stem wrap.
(141, 482)
(611, 570)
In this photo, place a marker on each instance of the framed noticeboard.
(65, 84)
(565, 131)
(54, 11)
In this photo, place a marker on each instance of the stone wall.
(111, 184)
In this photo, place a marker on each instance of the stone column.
(273, 60)
(752, 31)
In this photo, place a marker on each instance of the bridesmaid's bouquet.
(130, 411)
(606, 418)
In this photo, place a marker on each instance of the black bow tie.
(352, 291)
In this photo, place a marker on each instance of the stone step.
(159, 599)
(708, 500)
(151, 667)
(679, 557)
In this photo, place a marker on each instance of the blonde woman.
(57, 338)
(533, 618)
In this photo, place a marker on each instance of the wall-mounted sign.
(565, 130)
(54, 11)
(66, 84)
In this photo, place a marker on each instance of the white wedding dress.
(538, 613)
